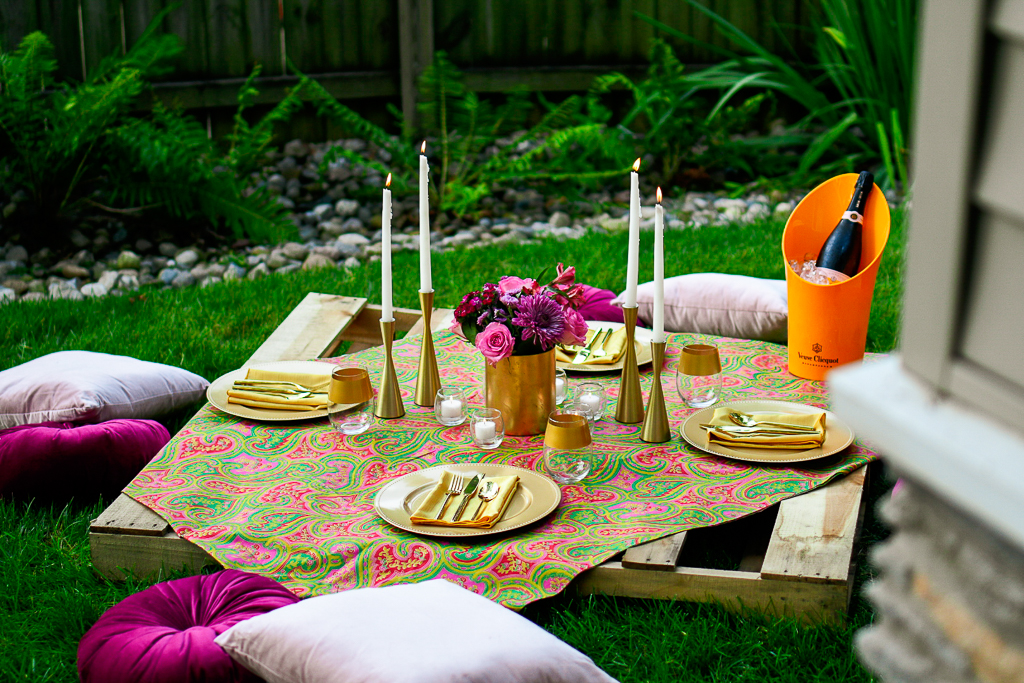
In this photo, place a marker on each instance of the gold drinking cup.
(699, 360)
(350, 385)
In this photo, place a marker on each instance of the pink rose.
(575, 327)
(495, 342)
(511, 285)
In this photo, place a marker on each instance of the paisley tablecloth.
(295, 501)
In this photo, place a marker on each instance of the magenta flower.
(495, 342)
(542, 320)
(575, 327)
(511, 285)
(566, 276)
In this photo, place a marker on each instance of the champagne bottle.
(841, 251)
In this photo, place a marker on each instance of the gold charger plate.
(535, 498)
(641, 341)
(838, 434)
(217, 393)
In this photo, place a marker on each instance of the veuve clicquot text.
(841, 251)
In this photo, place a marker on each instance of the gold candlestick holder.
(630, 407)
(656, 429)
(389, 398)
(428, 379)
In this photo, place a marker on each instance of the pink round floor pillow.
(165, 633)
(58, 460)
(598, 305)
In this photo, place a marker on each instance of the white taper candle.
(426, 285)
(633, 253)
(386, 306)
(659, 271)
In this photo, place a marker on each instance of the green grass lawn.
(49, 595)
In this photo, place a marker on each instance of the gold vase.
(523, 389)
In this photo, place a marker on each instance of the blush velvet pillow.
(82, 386)
(431, 632)
(717, 303)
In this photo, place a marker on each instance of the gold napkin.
(614, 346)
(810, 440)
(489, 515)
(318, 382)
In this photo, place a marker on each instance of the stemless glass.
(561, 386)
(487, 428)
(568, 457)
(350, 400)
(699, 375)
(450, 406)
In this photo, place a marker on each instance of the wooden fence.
(367, 48)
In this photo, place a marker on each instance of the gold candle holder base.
(656, 429)
(630, 407)
(389, 398)
(428, 379)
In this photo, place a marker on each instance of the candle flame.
(387, 183)
(423, 147)
(636, 165)
(658, 195)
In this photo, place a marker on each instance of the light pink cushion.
(431, 632)
(717, 303)
(82, 386)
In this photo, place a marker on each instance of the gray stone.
(560, 219)
(347, 249)
(346, 207)
(286, 202)
(109, 279)
(308, 233)
(294, 250)
(259, 271)
(70, 270)
(37, 286)
(353, 238)
(733, 213)
(211, 281)
(168, 249)
(254, 260)
(290, 268)
(295, 148)
(17, 253)
(94, 289)
(216, 270)
(322, 212)
(19, 286)
(351, 262)
(64, 290)
(353, 225)
(200, 272)
(83, 258)
(330, 252)
(276, 183)
(277, 260)
(314, 261)
(463, 237)
(7, 294)
(724, 203)
(234, 272)
(182, 280)
(783, 208)
(167, 275)
(143, 244)
(34, 296)
(755, 211)
(128, 259)
(187, 258)
(333, 227)
(78, 239)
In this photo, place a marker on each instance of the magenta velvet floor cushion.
(598, 305)
(58, 460)
(165, 633)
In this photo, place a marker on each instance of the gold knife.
(584, 353)
(468, 493)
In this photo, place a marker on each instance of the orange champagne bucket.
(828, 324)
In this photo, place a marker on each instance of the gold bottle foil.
(523, 389)
(567, 432)
(350, 385)
(699, 359)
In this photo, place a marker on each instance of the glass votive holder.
(561, 386)
(450, 406)
(568, 457)
(591, 395)
(699, 375)
(487, 428)
(350, 400)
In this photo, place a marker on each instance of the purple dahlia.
(541, 319)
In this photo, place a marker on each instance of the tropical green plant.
(866, 51)
(72, 147)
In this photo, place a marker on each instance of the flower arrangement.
(521, 317)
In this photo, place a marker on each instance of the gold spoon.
(488, 492)
(745, 420)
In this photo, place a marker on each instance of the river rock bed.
(337, 230)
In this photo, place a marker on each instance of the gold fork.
(454, 487)
(599, 351)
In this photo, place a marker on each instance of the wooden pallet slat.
(312, 330)
(659, 555)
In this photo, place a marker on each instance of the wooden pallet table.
(795, 558)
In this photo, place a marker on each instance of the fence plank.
(227, 41)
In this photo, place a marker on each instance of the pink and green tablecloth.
(294, 501)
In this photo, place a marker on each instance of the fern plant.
(75, 147)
